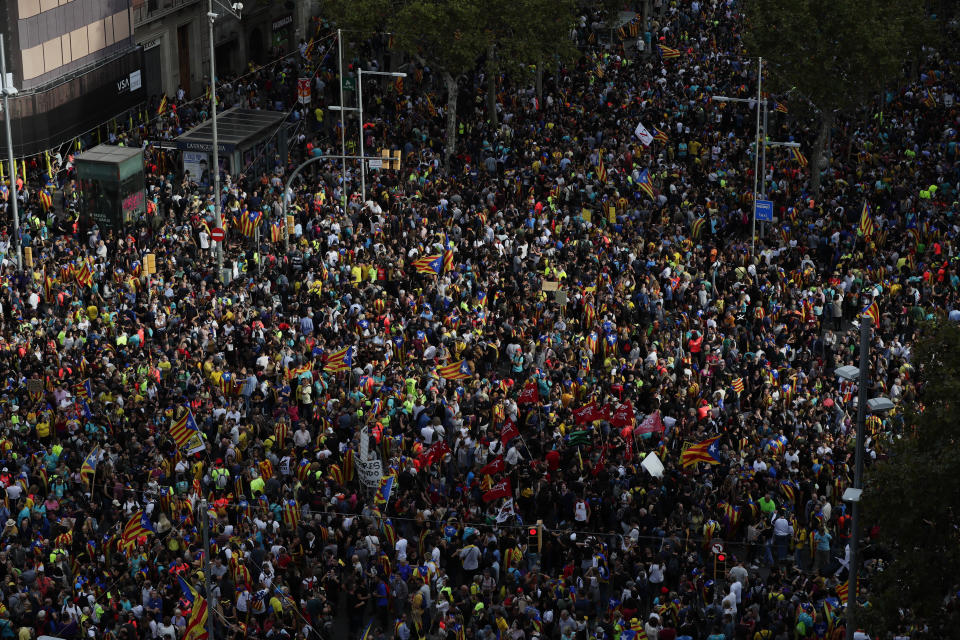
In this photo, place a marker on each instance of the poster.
(196, 163)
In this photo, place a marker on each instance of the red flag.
(623, 416)
(651, 424)
(588, 413)
(600, 462)
(436, 452)
(500, 490)
(509, 432)
(497, 465)
(530, 393)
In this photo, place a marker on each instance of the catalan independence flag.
(660, 135)
(163, 106)
(843, 591)
(696, 228)
(645, 184)
(83, 275)
(872, 311)
(798, 157)
(779, 106)
(707, 452)
(667, 53)
(431, 265)
(250, 221)
(139, 525)
(738, 385)
(455, 371)
(601, 170)
(89, 466)
(183, 429)
(339, 360)
(866, 221)
(83, 390)
(197, 624)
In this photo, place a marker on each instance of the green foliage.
(528, 32)
(452, 35)
(839, 53)
(913, 496)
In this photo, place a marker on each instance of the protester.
(519, 340)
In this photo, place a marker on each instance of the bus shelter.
(248, 141)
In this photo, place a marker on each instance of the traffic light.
(391, 159)
(151, 261)
(719, 565)
(291, 225)
(535, 535)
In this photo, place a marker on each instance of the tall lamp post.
(760, 158)
(860, 375)
(9, 90)
(234, 9)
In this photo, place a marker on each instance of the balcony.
(146, 11)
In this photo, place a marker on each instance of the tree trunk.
(491, 88)
(540, 85)
(451, 143)
(819, 149)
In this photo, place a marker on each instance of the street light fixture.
(760, 153)
(363, 163)
(234, 10)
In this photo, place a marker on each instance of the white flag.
(506, 512)
(644, 135)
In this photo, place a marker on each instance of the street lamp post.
(9, 90)
(234, 9)
(363, 163)
(286, 188)
(861, 375)
(757, 160)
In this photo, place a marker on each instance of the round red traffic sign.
(217, 234)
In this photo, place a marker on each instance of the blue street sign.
(763, 210)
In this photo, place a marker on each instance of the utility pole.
(756, 161)
(208, 590)
(233, 10)
(343, 123)
(863, 383)
(7, 116)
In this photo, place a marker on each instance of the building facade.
(175, 38)
(75, 65)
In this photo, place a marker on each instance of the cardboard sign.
(551, 285)
(652, 464)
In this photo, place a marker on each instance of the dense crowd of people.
(535, 393)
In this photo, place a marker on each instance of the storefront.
(282, 33)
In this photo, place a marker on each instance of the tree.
(525, 33)
(913, 497)
(838, 54)
(453, 36)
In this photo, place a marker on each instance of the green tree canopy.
(913, 497)
(837, 53)
(453, 36)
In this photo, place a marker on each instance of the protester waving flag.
(707, 452)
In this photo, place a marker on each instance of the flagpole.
(206, 568)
